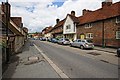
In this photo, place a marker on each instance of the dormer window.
(117, 19)
(89, 25)
(68, 27)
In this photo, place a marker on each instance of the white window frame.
(89, 35)
(88, 25)
(117, 19)
(117, 34)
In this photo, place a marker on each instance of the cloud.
(38, 14)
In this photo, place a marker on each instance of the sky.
(38, 14)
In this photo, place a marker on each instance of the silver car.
(64, 41)
(82, 43)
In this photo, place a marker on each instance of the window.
(79, 40)
(89, 35)
(89, 25)
(74, 27)
(117, 34)
(117, 19)
(67, 27)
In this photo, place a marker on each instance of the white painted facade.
(69, 32)
(70, 22)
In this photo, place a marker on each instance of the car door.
(78, 43)
(74, 42)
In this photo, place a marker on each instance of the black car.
(118, 52)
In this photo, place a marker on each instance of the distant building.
(46, 32)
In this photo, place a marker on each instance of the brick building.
(102, 25)
(46, 30)
(12, 33)
(57, 30)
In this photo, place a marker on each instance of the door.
(82, 36)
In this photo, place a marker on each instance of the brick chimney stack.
(86, 11)
(106, 3)
(57, 21)
(73, 13)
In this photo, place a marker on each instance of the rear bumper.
(89, 47)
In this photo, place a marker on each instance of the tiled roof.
(60, 24)
(101, 14)
(74, 18)
(48, 29)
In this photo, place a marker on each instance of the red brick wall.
(110, 28)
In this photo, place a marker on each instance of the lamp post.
(103, 35)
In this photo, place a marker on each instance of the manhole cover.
(94, 53)
(32, 60)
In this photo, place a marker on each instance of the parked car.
(82, 43)
(49, 39)
(64, 41)
(54, 40)
(118, 52)
(43, 39)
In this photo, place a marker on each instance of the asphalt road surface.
(75, 65)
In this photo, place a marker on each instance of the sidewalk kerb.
(54, 66)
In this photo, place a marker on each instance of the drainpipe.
(7, 23)
(103, 35)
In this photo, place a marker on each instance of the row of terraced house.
(13, 35)
(102, 26)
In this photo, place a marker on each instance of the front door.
(82, 36)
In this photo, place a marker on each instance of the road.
(75, 64)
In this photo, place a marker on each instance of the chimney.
(57, 20)
(3, 6)
(73, 13)
(106, 3)
(86, 11)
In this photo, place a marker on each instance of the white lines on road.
(55, 67)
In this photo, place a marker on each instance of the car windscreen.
(67, 39)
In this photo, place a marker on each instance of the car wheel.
(118, 54)
(81, 47)
(71, 45)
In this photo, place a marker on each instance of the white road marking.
(55, 67)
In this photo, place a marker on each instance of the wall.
(19, 42)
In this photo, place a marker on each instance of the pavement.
(29, 64)
(110, 50)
